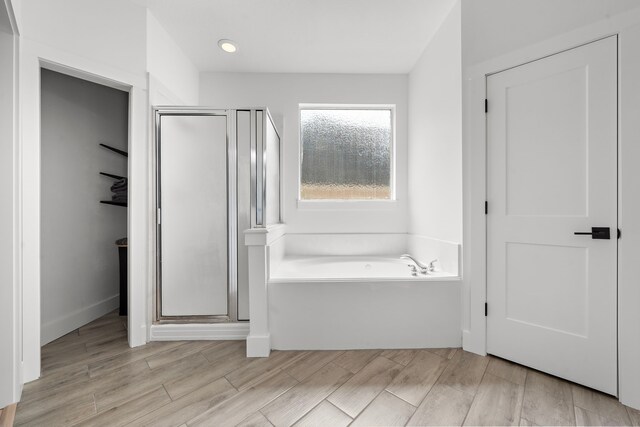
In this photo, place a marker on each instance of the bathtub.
(360, 302)
(351, 268)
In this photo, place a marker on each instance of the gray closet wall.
(79, 259)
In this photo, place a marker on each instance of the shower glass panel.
(244, 137)
(218, 174)
(272, 141)
(193, 202)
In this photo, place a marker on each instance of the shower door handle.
(596, 233)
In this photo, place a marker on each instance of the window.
(347, 153)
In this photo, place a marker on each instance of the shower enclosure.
(217, 174)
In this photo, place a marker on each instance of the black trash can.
(122, 254)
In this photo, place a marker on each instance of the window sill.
(346, 205)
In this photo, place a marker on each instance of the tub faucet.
(424, 269)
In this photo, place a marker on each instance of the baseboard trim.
(63, 325)
(258, 345)
(471, 344)
(199, 331)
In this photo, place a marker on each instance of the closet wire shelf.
(110, 175)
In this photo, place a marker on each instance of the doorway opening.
(84, 197)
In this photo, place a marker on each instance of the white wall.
(10, 325)
(495, 27)
(172, 70)
(435, 135)
(17, 11)
(99, 41)
(629, 217)
(80, 279)
(110, 32)
(282, 94)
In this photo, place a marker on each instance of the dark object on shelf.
(109, 202)
(115, 150)
(110, 175)
(120, 186)
(122, 255)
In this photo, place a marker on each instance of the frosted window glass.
(346, 154)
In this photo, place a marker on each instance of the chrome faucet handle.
(413, 269)
(417, 263)
(432, 266)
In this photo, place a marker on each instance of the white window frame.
(349, 204)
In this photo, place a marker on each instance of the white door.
(551, 172)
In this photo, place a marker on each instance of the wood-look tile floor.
(92, 378)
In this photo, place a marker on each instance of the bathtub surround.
(355, 268)
(364, 314)
(349, 291)
(333, 244)
(423, 248)
(426, 249)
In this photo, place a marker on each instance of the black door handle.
(597, 233)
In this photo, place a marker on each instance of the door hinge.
(158, 216)
(486, 105)
(486, 309)
(486, 207)
(619, 233)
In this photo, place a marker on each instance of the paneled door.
(551, 174)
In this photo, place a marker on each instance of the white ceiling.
(303, 36)
(494, 27)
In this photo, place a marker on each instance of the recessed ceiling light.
(228, 45)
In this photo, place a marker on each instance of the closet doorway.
(84, 197)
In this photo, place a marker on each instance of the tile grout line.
(317, 370)
(88, 417)
(524, 390)
(377, 354)
(300, 382)
(325, 399)
(433, 385)
(369, 404)
(381, 391)
(319, 403)
(573, 404)
(279, 370)
(428, 391)
(475, 394)
(352, 375)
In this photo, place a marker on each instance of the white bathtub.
(359, 302)
(350, 268)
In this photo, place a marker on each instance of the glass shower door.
(193, 221)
